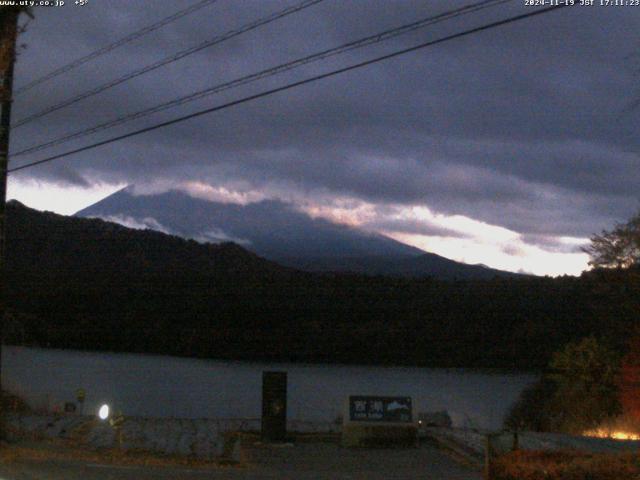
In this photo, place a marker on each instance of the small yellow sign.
(80, 394)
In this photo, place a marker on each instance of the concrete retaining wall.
(201, 438)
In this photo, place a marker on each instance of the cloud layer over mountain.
(528, 128)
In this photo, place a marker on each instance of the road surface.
(302, 461)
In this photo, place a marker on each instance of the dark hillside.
(89, 284)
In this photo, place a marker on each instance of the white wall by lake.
(162, 386)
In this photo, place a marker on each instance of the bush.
(586, 373)
(580, 392)
(629, 380)
(567, 465)
(12, 403)
(532, 411)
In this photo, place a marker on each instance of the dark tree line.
(89, 284)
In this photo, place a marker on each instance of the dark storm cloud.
(552, 244)
(527, 126)
(413, 226)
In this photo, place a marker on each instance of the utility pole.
(8, 34)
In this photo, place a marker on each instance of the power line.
(369, 40)
(292, 85)
(101, 51)
(170, 59)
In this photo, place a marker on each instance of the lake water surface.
(163, 386)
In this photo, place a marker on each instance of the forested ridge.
(89, 284)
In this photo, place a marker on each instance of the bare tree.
(617, 248)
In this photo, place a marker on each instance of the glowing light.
(103, 413)
(614, 434)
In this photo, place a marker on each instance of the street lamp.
(115, 421)
(103, 413)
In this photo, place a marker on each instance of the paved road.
(304, 461)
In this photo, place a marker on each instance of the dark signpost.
(380, 409)
(274, 406)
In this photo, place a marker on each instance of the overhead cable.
(360, 43)
(293, 85)
(167, 60)
(112, 46)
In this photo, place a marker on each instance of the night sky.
(509, 147)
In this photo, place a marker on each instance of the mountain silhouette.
(279, 232)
